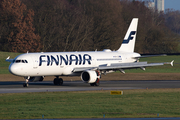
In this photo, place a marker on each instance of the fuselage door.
(35, 62)
(94, 61)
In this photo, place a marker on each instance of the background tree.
(77, 25)
(153, 34)
(107, 23)
(83, 25)
(173, 20)
(61, 25)
(20, 36)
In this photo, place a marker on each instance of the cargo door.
(35, 62)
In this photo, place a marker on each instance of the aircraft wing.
(121, 66)
(144, 56)
(129, 65)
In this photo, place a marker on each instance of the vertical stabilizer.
(130, 37)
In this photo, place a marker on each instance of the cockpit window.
(20, 61)
(17, 61)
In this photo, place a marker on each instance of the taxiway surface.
(16, 87)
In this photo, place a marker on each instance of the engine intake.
(90, 76)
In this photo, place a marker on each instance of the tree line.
(84, 25)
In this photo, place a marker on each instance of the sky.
(174, 4)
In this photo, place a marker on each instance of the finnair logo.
(130, 37)
(79, 59)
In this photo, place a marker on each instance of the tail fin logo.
(130, 37)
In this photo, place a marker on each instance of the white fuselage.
(63, 63)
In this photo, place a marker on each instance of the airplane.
(89, 65)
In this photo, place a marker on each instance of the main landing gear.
(97, 83)
(58, 81)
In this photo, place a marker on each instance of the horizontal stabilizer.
(171, 63)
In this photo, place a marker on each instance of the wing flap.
(84, 68)
(130, 66)
(121, 66)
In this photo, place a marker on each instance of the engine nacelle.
(90, 76)
(35, 79)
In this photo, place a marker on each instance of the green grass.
(94, 104)
(157, 69)
(3, 64)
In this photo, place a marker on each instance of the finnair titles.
(67, 59)
(88, 65)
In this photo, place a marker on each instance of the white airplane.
(89, 65)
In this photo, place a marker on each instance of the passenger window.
(23, 61)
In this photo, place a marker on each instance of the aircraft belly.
(45, 71)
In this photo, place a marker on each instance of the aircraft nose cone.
(13, 69)
(17, 69)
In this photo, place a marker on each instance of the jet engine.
(35, 79)
(90, 76)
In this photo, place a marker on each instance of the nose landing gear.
(26, 82)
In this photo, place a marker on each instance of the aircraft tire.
(25, 85)
(92, 84)
(58, 81)
(95, 84)
(55, 81)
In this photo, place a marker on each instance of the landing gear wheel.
(58, 81)
(26, 81)
(25, 85)
(55, 81)
(97, 83)
(92, 84)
